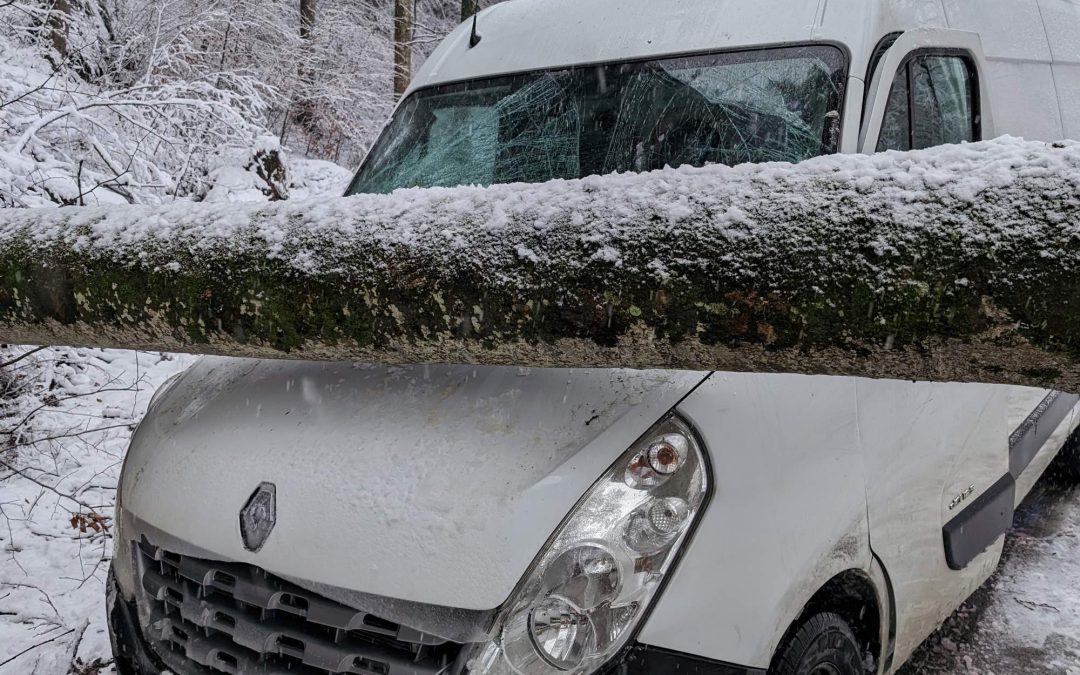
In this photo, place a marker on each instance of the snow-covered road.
(69, 414)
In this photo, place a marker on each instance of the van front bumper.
(639, 659)
(135, 656)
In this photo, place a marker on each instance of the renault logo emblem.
(258, 516)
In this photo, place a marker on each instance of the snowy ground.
(65, 419)
(67, 414)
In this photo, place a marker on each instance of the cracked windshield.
(757, 106)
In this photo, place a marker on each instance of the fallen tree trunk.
(955, 264)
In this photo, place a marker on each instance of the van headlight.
(586, 593)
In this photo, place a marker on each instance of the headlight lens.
(580, 602)
(562, 633)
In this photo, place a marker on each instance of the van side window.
(932, 102)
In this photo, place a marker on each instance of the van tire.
(824, 644)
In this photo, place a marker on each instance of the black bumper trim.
(641, 659)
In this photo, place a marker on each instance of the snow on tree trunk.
(403, 10)
(960, 263)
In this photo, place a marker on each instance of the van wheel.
(823, 645)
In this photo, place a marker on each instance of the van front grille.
(205, 617)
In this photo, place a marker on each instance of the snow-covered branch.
(43, 122)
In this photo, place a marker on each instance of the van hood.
(429, 484)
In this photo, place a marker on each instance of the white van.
(312, 518)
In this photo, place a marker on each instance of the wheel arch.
(862, 598)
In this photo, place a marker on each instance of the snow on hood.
(433, 484)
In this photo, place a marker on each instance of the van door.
(928, 90)
(932, 452)
(939, 490)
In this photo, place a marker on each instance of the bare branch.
(51, 488)
(35, 646)
(22, 356)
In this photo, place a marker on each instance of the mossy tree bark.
(810, 269)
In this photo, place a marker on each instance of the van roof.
(523, 35)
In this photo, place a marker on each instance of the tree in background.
(305, 108)
(57, 23)
(307, 18)
(403, 33)
(468, 8)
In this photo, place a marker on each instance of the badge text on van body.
(959, 499)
